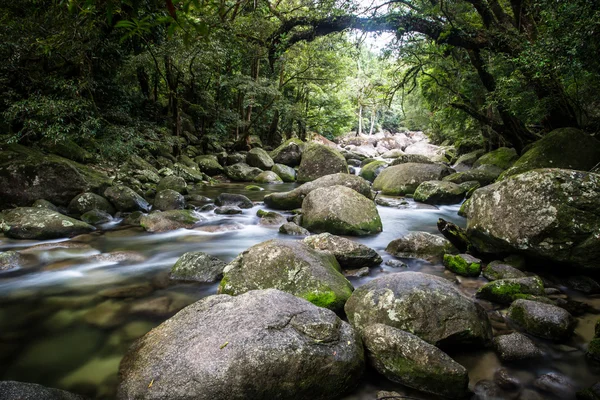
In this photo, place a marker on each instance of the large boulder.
(412, 158)
(431, 151)
(405, 178)
(85, 202)
(262, 345)
(242, 172)
(199, 267)
(170, 220)
(424, 305)
(566, 148)
(27, 175)
(348, 253)
(125, 199)
(549, 214)
(259, 158)
(319, 160)
(439, 192)
(484, 174)
(12, 390)
(287, 174)
(372, 170)
(543, 320)
(289, 153)
(172, 182)
(40, 223)
(420, 245)
(294, 198)
(341, 211)
(209, 164)
(291, 266)
(168, 200)
(503, 158)
(268, 177)
(406, 359)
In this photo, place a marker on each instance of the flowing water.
(68, 316)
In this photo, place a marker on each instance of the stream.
(70, 314)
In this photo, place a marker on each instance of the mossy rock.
(463, 264)
(40, 223)
(254, 188)
(268, 177)
(341, 211)
(68, 149)
(502, 157)
(543, 320)
(96, 217)
(439, 192)
(170, 220)
(467, 160)
(168, 200)
(593, 350)
(289, 153)
(126, 199)
(290, 266)
(260, 159)
(198, 267)
(188, 173)
(172, 182)
(500, 270)
(412, 158)
(242, 172)
(505, 291)
(405, 178)
(483, 175)
(372, 170)
(85, 202)
(287, 174)
(348, 253)
(319, 160)
(209, 164)
(420, 245)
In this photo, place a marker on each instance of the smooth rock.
(242, 172)
(287, 174)
(40, 223)
(268, 177)
(501, 270)
(259, 158)
(405, 178)
(319, 160)
(439, 192)
(290, 228)
(542, 320)
(170, 220)
(238, 200)
(172, 182)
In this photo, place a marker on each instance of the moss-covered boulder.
(439, 192)
(96, 217)
(341, 211)
(566, 148)
(420, 245)
(405, 178)
(259, 158)
(170, 220)
(505, 291)
(188, 173)
(40, 223)
(168, 200)
(548, 214)
(372, 170)
(41, 203)
(68, 149)
(412, 158)
(542, 320)
(319, 160)
(291, 266)
(287, 174)
(289, 153)
(198, 267)
(500, 270)
(503, 157)
(294, 198)
(125, 199)
(270, 218)
(172, 182)
(348, 253)
(27, 175)
(263, 345)
(484, 175)
(85, 202)
(268, 177)
(235, 158)
(242, 172)
(424, 305)
(406, 359)
(209, 164)
(467, 160)
(463, 264)
(395, 153)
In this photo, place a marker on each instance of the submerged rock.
(199, 267)
(291, 266)
(40, 223)
(341, 211)
(424, 305)
(420, 245)
(504, 291)
(125, 199)
(516, 347)
(406, 359)
(548, 214)
(319, 160)
(10, 260)
(294, 198)
(348, 253)
(228, 210)
(543, 320)
(405, 178)
(228, 348)
(170, 220)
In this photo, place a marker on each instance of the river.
(64, 324)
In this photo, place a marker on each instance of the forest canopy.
(120, 75)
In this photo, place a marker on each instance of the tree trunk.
(372, 121)
(359, 131)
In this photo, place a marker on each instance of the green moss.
(594, 349)
(369, 171)
(460, 266)
(503, 157)
(223, 284)
(597, 329)
(323, 299)
(505, 291)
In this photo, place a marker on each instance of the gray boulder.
(262, 345)
(168, 200)
(548, 214)
(439, 192)
(319, 160)
(172, 182)
(405, 178)
(542, 320)
(500, 270)
(287, 174)
(268, 177)
(259, 158)
(424, 305)
(209, 164)
(289, 153)
(291, 266)
(85, 202)
(348, 253)
(412, 158)
(125, 199)
(341, 211)
(294, 198)
(229, 199)
(228, 210)
(290, 228)
(236, 158)
(516, 347)
(40, 223)
(406, 359)
(431, 151)
(170, 220)
(242, 172)
(12, 390)
(198, 267)
(420, 245)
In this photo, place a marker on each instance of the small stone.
(291, 228)
(357, 273)
(208, 207)
(238, 200)
(228, 210)
(396, 264)
(516, 347)
(505, 381)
